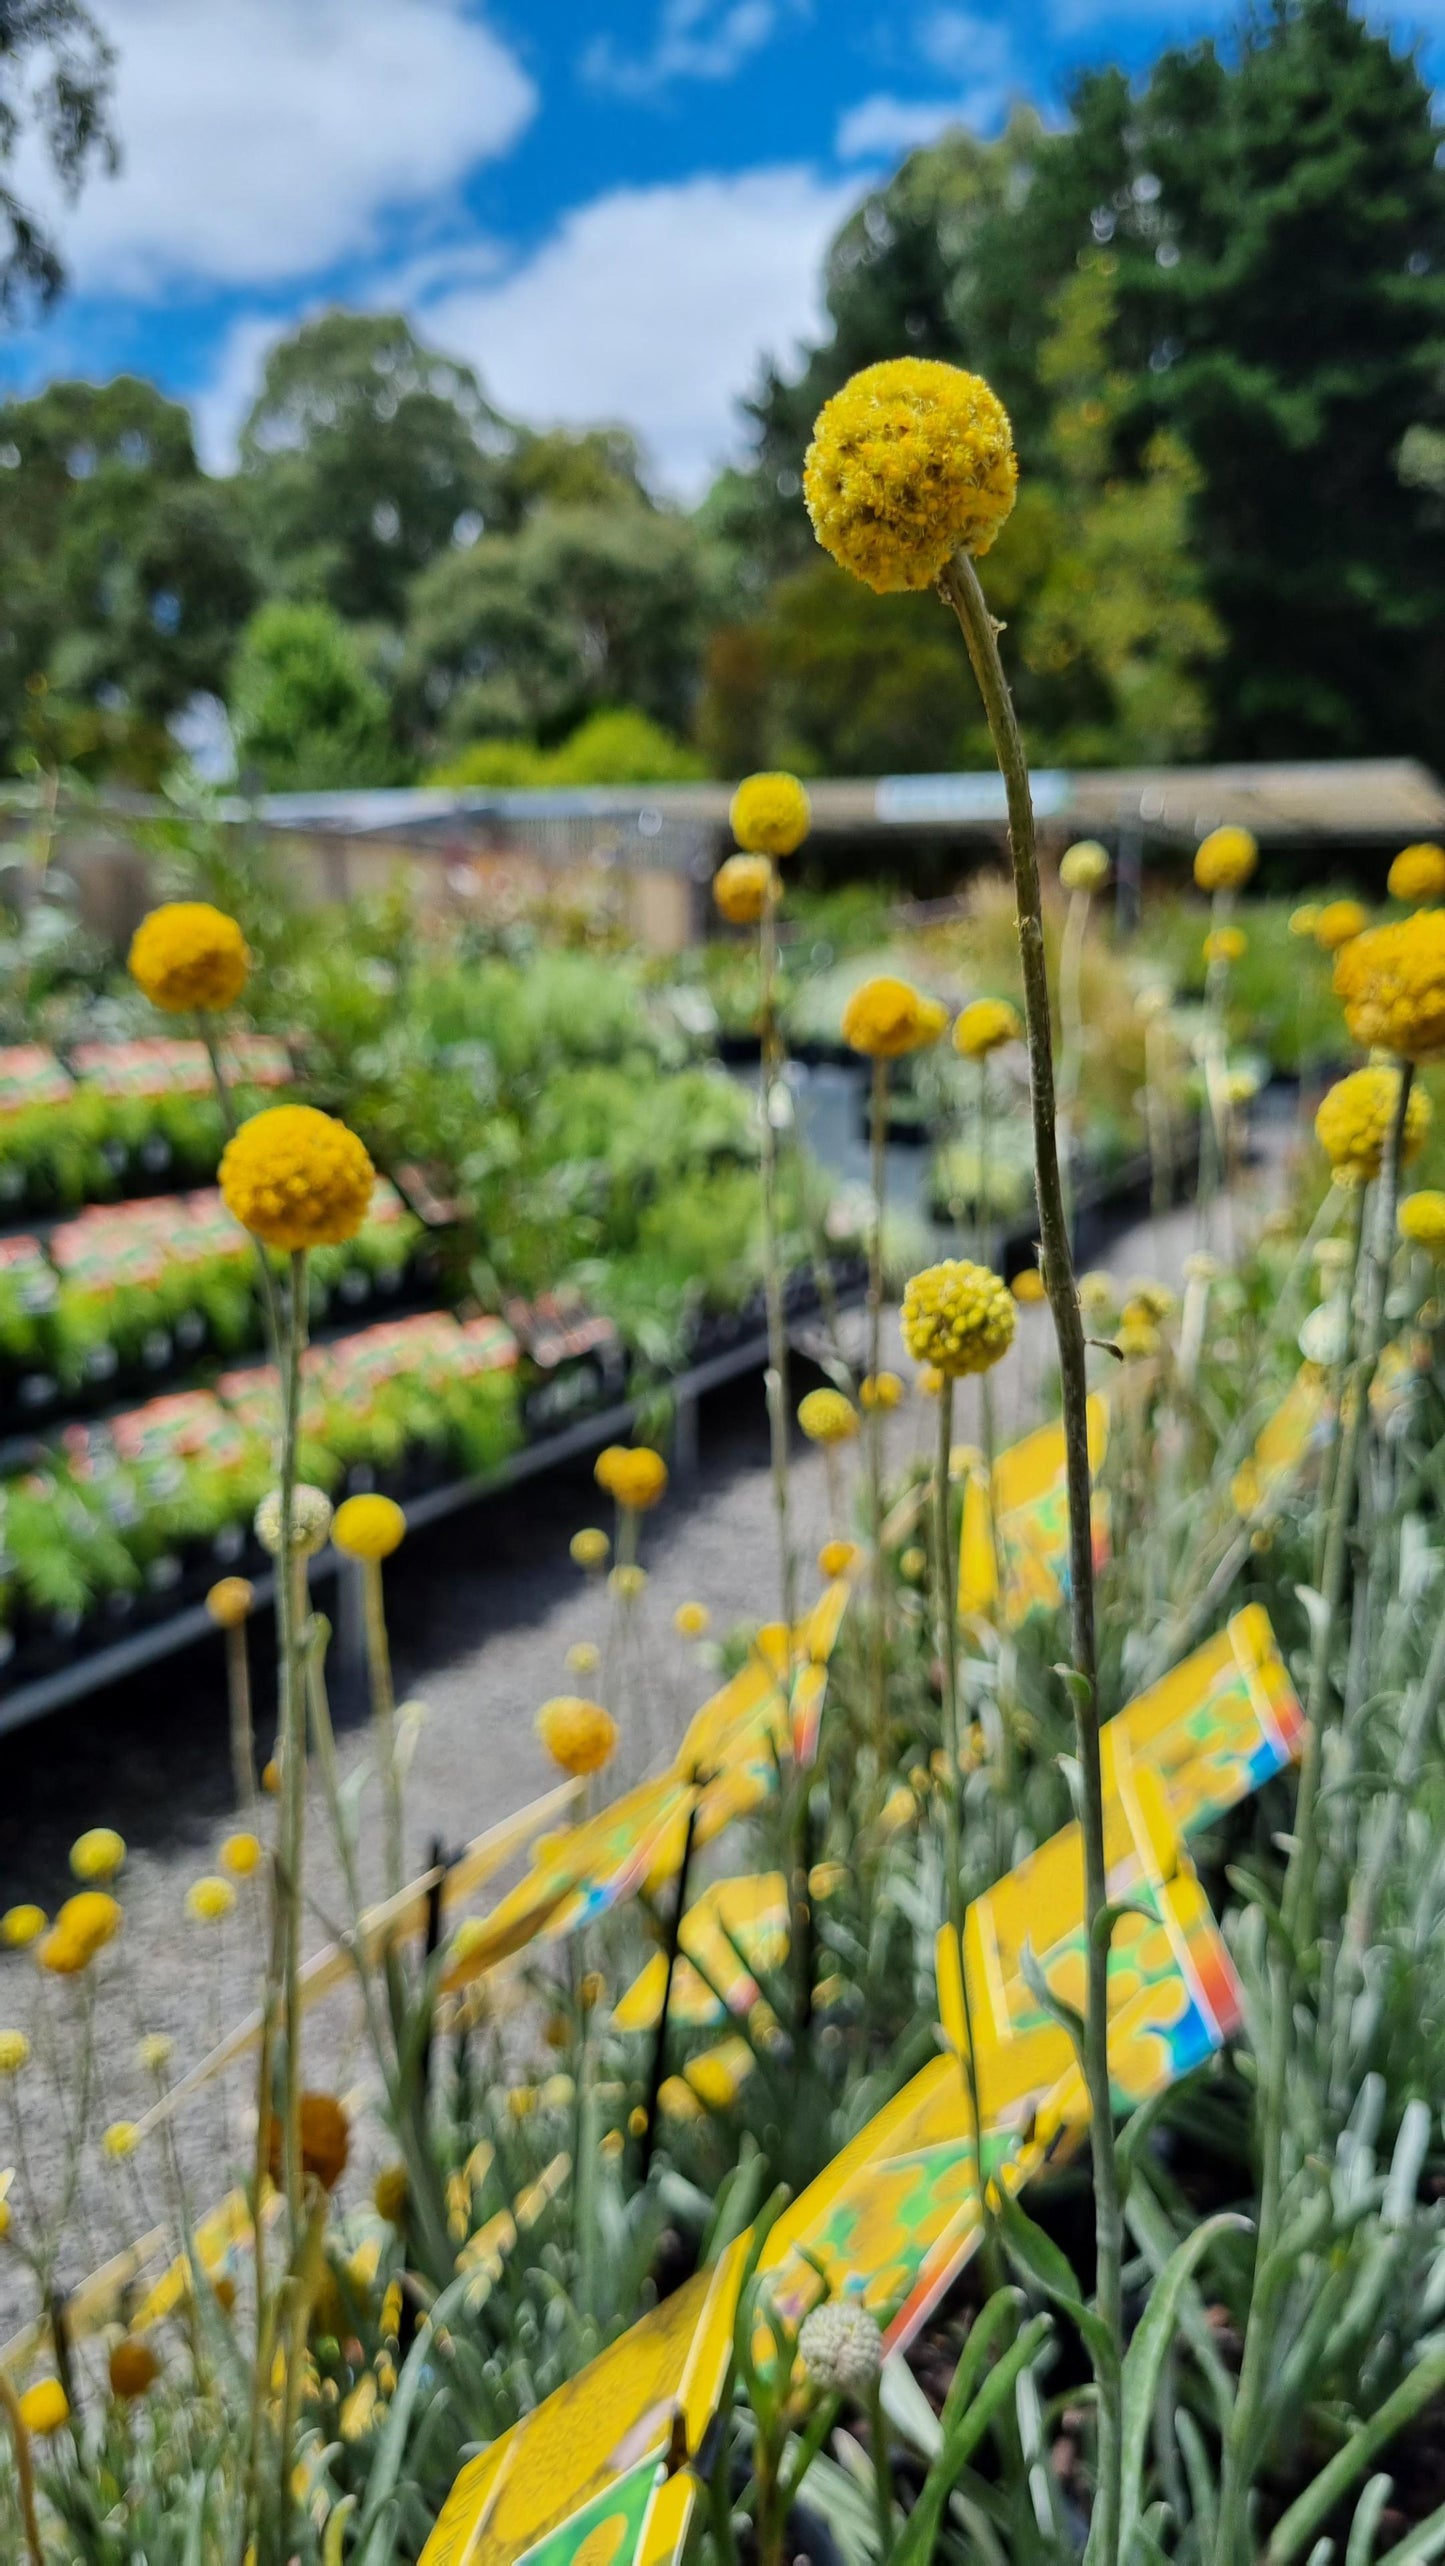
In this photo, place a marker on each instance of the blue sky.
(612, 208)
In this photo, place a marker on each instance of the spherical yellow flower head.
(1422, 1221)
(628, 1582)
(187, 955)
(984, 1026)
(1084, 867)
(692, 1621)
(826, 1417)
(310, 1521)
(1304, 920)
(229, 1601)
(583, 1657)
(45, 2409)
(589, 1548)
(14, 2052)
(271, 1775)
(1418, 875)
(1226, 944)
(910, 463)
(155, 2052)
(1338, 924)
(742, 889)
(98, 1854)
(887, 1017)
(928, 1381)
(912, 1564)
(959, 1317)
(1154, 1300)
(85, 1924)
(390, 2194)
(325, 2141)
(297, 1178)
(634, 1474)
(1392, 984)
(579, 1735)
(836, 1558)
(880, 1390)
(241, 1854)
(1028, 1288)
(1138, 1337)
(133, 2369)
(120, 2140)
(209, 1899)
(1354, 1119)
(770, 815)
(368, 1527)
(1225, 859)
(20, 1926)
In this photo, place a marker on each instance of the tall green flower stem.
(1071, 1022)
(270, 1298)
(1214, 1136)
(238, 1700)
(945, 1623)
(960, 587)
(873, 1422)
(777, 1383)
(24, 2471)
(1297, 1902)
(985, 1136)
(383, 1712)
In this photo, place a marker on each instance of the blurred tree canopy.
(55, 88)
(1213, 299)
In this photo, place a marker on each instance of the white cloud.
(265, 139)
(961, 43)
(695, 40)
(653, 306)
(883, 127)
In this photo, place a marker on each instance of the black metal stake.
(659, 2046)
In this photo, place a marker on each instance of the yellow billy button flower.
(836, 1558)
(310, 1520)
(209, 1899)
(1422, 1221)
(984, 1026)
(910, 463)
(155, 2052)
(1027, 1288)
(133, 2368)
(98, 1854)
(590, 1547)
(1304, 920)
(770, 814)
(742, 889)
(1391, 981)
(583, 1657)
(579, 1735)
(1338, 923)
(1226, 944)
(1354, 1119)
(120, 2140)
(958, 1316)
(45, 2409)
(827, 1417)
(14, 2052)
(390, 2194)
(1085, 866)
(368, 1527)
(187, 954)
(634, 1474)
(20, 1926)
(1418, 875)
(297, 1178)
(628, 1582)
(241, 1854)
(1225, 859)
(692, 1621)
(880, 1390)
(887, 1017)
(229, 1601)
(82, 1929)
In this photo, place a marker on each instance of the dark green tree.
(306, 714)
(55, 86)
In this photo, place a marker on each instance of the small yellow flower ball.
(1338, 924)
(1304, 920)
(155, 2052)
(1085, 867)
(4, 2219)
(579, 1735)
(1028, 1288)
(85, 1924)
(1138, 1338)
(880, 1390)
(297, 1178)
(1225, 859)
(120, 2140)
(368, 1527)
(1422, 1221)
(229, 1601)
(634, 1474)
(583, 1657)
(1226, 944)
(1418, 875)
(390, 2194)
(209, 1899)
(770, 814)
(45, 2409)
(912, 1564)
(887, 1017)
(271, 1775)
(692, 1621)
(928, 1381)
(1155, 1300)
(590, 1547)
(1354, 1119)
(958, 1316)
(133, 2369)
(984, 1026)
(310, 1521)
(1391, 981)
(627, 1583)
(98, 1854)
(14, 2052)
(241, 1854)
(742, 889)
(827, 1417)
(910, 463)
(187, 954)
(20, 1926)
(1098, 1293)
(836, 1558)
